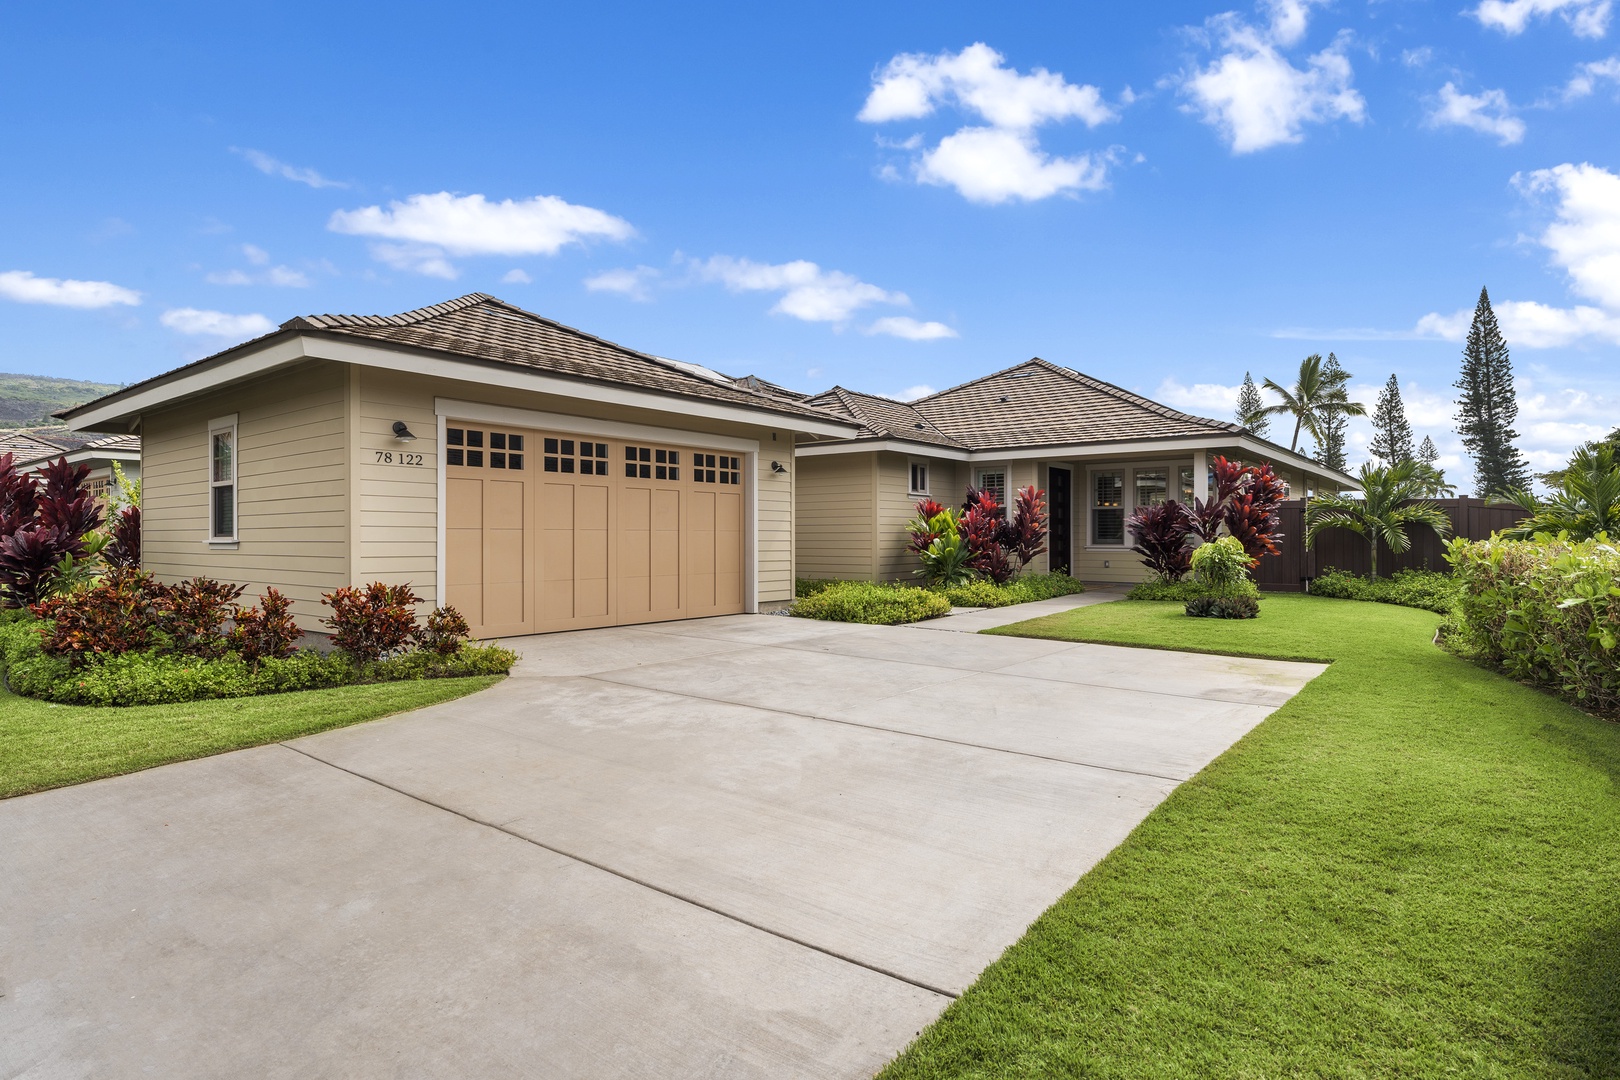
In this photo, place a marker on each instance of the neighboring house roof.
(107, 446)
(884, 418)
(26, 446)
(481, 326)
(1038, 403)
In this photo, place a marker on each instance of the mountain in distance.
(29, 400)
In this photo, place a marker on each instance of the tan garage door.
(546, 531)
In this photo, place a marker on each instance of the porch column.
(1200, 474)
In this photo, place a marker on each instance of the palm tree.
(1382, 512)
(1312, 399)
(1586, 504)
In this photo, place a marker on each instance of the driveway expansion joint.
(634, 880)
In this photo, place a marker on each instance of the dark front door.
(1060, 514)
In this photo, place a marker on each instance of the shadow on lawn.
(1585, 1041)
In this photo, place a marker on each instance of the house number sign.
(394, 457)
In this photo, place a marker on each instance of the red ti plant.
(1206, 516)
(926, 527)
(125, 549)
(1252, 516)
(47, 524)
(1025, 535)
(1161, 533)
(983, 529)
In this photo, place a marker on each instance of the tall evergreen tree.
(1251, 407)
(1427, 453)
(1335, 423)
(1486, 408)
(1392, 435)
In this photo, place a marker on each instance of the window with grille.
(1108, 508)
(222, 480)
(652, 463)
(994, 484)
(580, 457)
(1152, 487)
(477, 448)
(716, 469)
(919, 478)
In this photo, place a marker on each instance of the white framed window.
(1108, 508)
(919, 478)
(1152, 487)
(222, 463)
(993, 482)
(1185, 475)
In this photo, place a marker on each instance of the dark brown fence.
(1472, 519)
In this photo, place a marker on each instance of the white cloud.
(808, 292)
(1585, 81)
(431, 226)
(286, 276)
(1419, 57)
(1487, 113)
(215, 323)
(625, 281)
(229, 277)
(1587, 18)
(1255, 96)
(1584, 237)
(23, 287)
(272, 167)
(990, 165)
(1201, 399)
(912, 393)
(255, 254)
(1529, 324)
(912, 85)
(904, 326)
(516, 276)
(1001, 158)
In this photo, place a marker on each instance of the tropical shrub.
(372, 622)
(1027, 588)
(1185, 589)
(1221, 566)
(1425, 589)
(937, 540)
(1223, 607)
(192, 615)
(266, 631)
(978, 541)
(983, 528)
(1161, 533)
(1024, 537)
(1251, 514)
(442, 633)
(1544, 610)
(120, 613)
(125, 549)
(803, 587)
(867, 602)
(43, 522)
(1585, 502)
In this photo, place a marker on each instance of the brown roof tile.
(884, 418)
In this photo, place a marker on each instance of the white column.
(1200, 474)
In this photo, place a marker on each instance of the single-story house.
(33, 450)
(1098, 451)
(539, 478)
(533, 476)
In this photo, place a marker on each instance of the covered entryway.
(550, 531)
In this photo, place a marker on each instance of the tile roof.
(479, 325)
(1038, 403)
(884, 418)
(26, 446)
(115, 442)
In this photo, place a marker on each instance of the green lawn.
(1412, 869)
(45, 746)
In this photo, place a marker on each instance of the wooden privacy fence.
(1472, 519)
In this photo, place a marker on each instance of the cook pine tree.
(1335, 423)
(1392, 435)
(1487, 408)
(1251, 407)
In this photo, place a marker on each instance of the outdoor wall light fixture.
(778, 467)
(403, 433)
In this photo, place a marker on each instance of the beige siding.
(835, 513)
(776, 498)
(292, 493)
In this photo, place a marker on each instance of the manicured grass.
(1409, 870)
(45, 746)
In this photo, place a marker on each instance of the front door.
(1059, 514)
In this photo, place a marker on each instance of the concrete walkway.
(738, 847)
(973, 620)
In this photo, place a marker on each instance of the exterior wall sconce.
(403, 433)
(778, 467)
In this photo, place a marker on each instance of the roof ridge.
(847, 397)
(404, 318)
(980, 379)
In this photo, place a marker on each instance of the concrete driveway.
(735, 847)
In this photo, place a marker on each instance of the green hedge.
(1187, 589)
(1545, 611)
(867, 602)
(1023, 590)
(150, 679)
(1408, 588)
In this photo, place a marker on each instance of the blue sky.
(889, 197)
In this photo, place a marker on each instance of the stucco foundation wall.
(835, 515)
(395, 505)
(292, 495)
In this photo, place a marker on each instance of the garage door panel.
(464, 557)
(503, 504)
(464, 503)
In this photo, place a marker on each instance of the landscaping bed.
(888, 604)
(1406, 870)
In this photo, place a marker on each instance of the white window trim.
(1007, 492)
(928, 477)
(215, 426)
(1171, 468)
(1125, 498)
